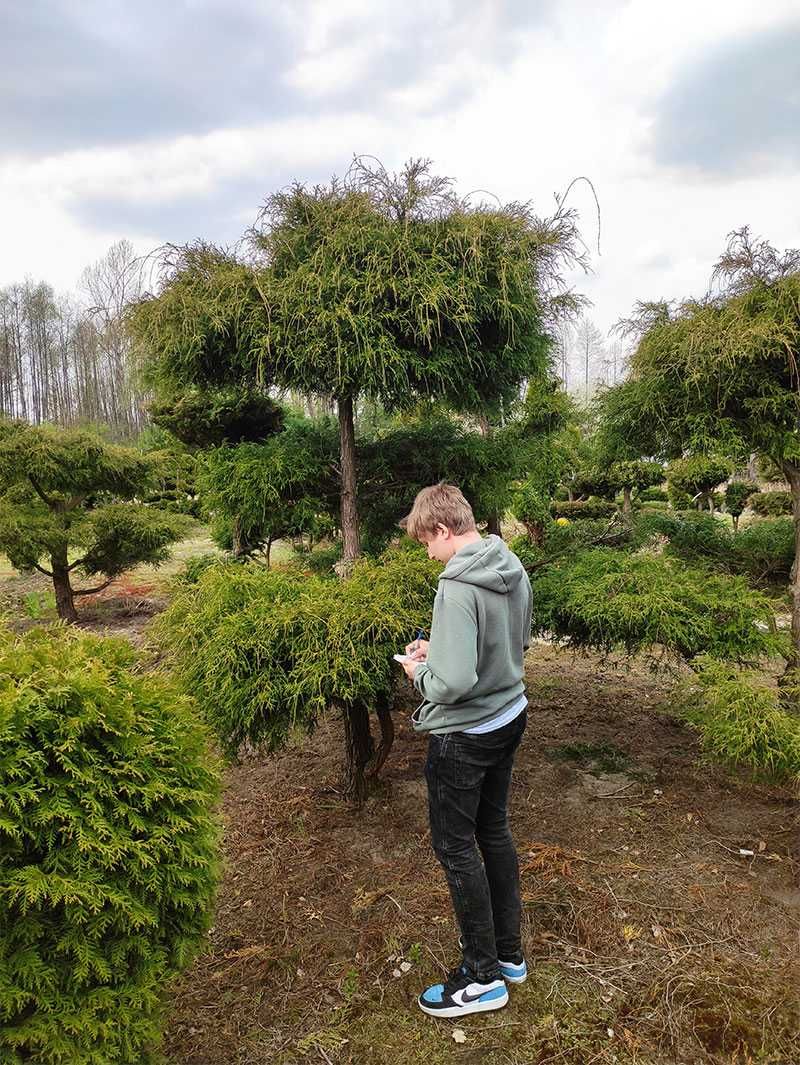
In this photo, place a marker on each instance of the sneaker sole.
(462, 1011)
(514, 979)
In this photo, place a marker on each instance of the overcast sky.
(167, 122)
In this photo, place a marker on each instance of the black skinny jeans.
(468, 783)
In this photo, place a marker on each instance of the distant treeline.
(67, 359)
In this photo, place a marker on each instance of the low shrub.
(765, 549)
(109, 847)
(653, 495)
(269, 651)
(195, 566)
(741, 720)
(583, 509)
(692, 534)
(771, 504)
(606, 599)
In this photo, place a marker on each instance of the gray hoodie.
(480, 630)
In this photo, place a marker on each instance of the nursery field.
(662, 910)
(661, 893)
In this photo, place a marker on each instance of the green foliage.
(594, 481)
(174, 483)
(120, 535)
(268, 651)
(62, 463)
(741, 719)
(194, 566)
(737, 495)
(765, 549)
(109, 857)
(60, 490)
(698, 474)
(283, 487)
(206, 326)
(762, 551)
(696, 536)
(322, 559)
(204, 418)
(606, 599)
(656, 494)
(583, 509)
(772, 504)
(636, 474)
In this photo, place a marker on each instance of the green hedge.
(606, 599)
(108, 861)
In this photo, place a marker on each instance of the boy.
(470, 677)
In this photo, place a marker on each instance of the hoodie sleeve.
(450, 671)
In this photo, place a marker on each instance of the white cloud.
(518, 110)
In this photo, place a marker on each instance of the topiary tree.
(266, 652)
(698, 475)
(635, 475)
(60, 493)
(109, 856)
(381, 286)
(737, 496)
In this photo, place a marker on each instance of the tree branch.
(74, 565)
(48, 502)
(41, 569)
(91, 591)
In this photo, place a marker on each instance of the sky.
(170, 122)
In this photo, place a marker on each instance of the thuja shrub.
(108, 849)
(606, 599)
(270, 651)
(741, 719)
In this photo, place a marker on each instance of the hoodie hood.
(487, 563)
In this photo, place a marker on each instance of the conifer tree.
(64, 493)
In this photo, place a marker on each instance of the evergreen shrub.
(765, 549)
(741, 720)
(108, 860)
(606, 599)
(656, 494)
(771, 504)
(268, 651)
(582, 509)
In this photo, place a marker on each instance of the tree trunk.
(268, 550)
(626, 501)
(65, 604)
(237, 540)
(347, 440)
(535, 532)
(493, 520)
(792, 474)
(359, 748)
(387, 738)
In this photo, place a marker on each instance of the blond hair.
(440, 504)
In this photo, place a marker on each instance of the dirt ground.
(662, 912)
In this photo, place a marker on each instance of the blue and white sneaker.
(461, 995)
(513, 972)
